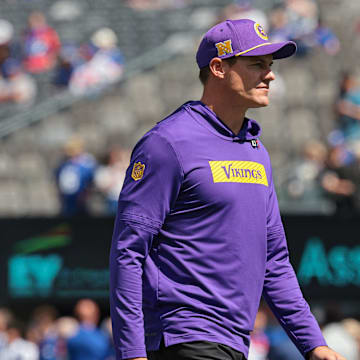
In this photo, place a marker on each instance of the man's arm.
(281, 289)
(129, 249)
(150, 189)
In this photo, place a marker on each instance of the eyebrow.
(257, 58)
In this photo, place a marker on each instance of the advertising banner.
(55, 259)
(58, 260)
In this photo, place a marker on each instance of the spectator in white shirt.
(16, 347)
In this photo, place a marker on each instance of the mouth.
(265, 89)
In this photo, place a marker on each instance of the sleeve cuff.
(129, 354)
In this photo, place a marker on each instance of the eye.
(262, 65)
(259, 65)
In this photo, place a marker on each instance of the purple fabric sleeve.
(281, 288)
(143, 205)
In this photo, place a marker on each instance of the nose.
(269, 75)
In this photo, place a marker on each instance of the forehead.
(262, 58)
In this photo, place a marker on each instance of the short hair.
(205, 71)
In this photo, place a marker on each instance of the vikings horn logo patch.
(260, 31)
(138, 171)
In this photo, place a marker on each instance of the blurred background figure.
(16, 347)
(348, 106)
(259, 342)
(105, 67)
(326, 38)
(339, 339)
(110, 176)
(281, 347)
(156, 4)
(336, 332)
(5, 318)
(18, 86)
(300, 21)
(303, 180)
(352, 326)
(68, 59)
(74, 178)
(41, 44)
(339, 180)
(44, 333)
(66, 327)
(15, 85)
(89, 342)
(6, 35)
(278, 22)
(9, 49)
(106, 327)
(244, 9)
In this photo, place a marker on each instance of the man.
(198, 236)
(89, 342)
(74, 178)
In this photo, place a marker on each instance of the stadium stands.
(160, 73)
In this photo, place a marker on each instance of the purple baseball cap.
(241, 37)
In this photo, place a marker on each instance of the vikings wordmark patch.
(238, 171)
(138, 171)
(260, 31)
(224, 48)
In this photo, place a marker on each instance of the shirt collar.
(250, 129)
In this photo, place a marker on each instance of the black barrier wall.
(59, 260)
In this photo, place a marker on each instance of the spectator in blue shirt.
(89, 342)
(74, 177)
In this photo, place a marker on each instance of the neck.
(226, 109)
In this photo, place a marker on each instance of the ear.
(217, 68)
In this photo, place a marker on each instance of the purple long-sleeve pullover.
(198, 239)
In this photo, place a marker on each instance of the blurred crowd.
(145, 5)
(296, 20)
(88, 67)
(323, 178)
(48, 336)
(270, 342)
(87, 336)
(329, 170)
(38, 52)
(91, 66)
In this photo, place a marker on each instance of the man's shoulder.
(173, 127)
(175, 122)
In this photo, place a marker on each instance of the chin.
(259, 104)
(264, 101)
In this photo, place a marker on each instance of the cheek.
(238, 83)
(248, 82)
